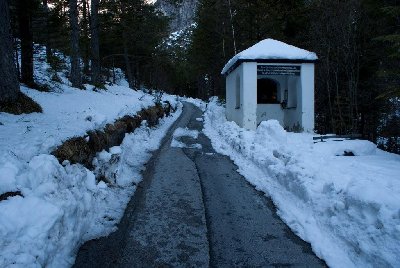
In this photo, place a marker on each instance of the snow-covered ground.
(63, 205)
(347, 207)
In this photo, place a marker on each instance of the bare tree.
(75, 76)
(233, 28)
(9, 85)
(94, 42)
(127, 60)
(335, 36)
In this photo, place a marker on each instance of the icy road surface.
(194, 209)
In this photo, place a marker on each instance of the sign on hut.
(271, 80)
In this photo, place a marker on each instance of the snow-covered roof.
(270, 49)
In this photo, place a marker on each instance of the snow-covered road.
(194, 209)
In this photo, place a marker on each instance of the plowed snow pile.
(347, 207)
(56, 206)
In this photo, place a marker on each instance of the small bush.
(56, 63)
(43, 88)
(99, 86)
(157, 97)
(56, 78)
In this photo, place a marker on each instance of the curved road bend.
(193, 209)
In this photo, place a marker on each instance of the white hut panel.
(271, 80)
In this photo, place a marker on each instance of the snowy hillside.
(347, 207)
(181, 13)
(48, 209)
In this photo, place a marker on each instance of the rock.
(181, 13)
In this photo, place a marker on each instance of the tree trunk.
(233, 28)
(94, 42)
(128, 65)
(17, 58)
(47, 42)
(24, 11)
(9, 85)
(129, 74)
(85, 25)
(75, 76)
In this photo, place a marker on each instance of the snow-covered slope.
(181, 13)
(56, 206)
(67, 114)
(348, 208)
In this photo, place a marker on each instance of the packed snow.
(56, 206)
(187, 133)
(270, 49)
(347, 207)
(181, 132)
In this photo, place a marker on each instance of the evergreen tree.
(130, 32)
(391, 38)
(46, 30)
(225, 27)
(211, 47)
(58, 22)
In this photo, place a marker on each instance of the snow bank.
(197, 102)
(341, 147)
(271, 49)
(62, 205)
(347, 207)
(65, 115)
